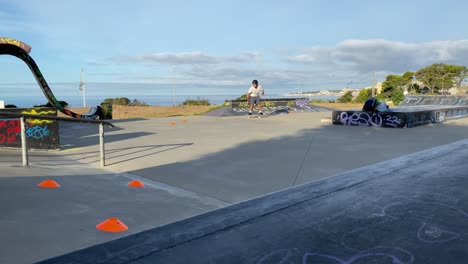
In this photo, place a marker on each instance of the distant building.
(379, 87)
(2, 104)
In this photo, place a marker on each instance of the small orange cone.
(49, 184)
(136, 184)
(184, 121)
(173, 123)
(112, 225)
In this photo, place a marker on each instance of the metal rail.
(24, 117)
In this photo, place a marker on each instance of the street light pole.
(174, 84)
(83, 86)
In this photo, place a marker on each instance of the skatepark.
(221, 188)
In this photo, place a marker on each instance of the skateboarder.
(253, 97)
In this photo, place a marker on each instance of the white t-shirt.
(254, 92)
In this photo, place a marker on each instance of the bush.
(346, 98)
(10, 106)
(117, 101)
(106, 111)
(198, 101)
(363, 95)
(136, 102)
(243, 97)
(123, 101)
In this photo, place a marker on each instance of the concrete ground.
(412, 209)
(191, 167)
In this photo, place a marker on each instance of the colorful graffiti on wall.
(40, 133)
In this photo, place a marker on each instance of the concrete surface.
(251, 157)
(413, 209)
(193, 167)
(37, 223)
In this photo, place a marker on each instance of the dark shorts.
(254, 100)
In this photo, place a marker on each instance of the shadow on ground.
(259, 167)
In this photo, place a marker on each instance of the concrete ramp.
(411, 100)
(413, 209)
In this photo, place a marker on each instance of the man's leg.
(259, 106)
(251, 105)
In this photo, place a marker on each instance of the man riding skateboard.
(253, 97)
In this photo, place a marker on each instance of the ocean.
(28, 95)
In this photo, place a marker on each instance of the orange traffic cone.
(112, 225)
(136, 184)
(49, 184)
(173, 123)
(184, 121)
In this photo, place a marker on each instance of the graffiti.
(34, 112)
(39, 121)
(437, 116)
(361, 119)
(395, 255)
(15, 42)
(38, 132)
(434, 100)
(10, 130)
(302, 102)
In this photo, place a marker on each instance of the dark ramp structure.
(407, 210)
(270, 106)
(415, 110)
(13, 47)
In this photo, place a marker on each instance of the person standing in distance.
(253, 96)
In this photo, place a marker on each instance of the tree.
(441, 76)
(363, 95)
(392, 83)
(10, 106)
(460, 73)
(346, 98)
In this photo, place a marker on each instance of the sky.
(302, 44)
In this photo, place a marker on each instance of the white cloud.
(195, 57)
(190, 58)
(383, 55)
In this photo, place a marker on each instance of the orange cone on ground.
(49, 184)
(184, 121)
(112, 225)
(136, 184)
(173, 123)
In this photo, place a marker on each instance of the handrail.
(24, 147)
(68, 119)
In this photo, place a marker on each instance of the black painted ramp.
(413, 209)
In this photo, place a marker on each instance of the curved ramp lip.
(16, 48)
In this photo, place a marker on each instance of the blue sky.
(308, 44)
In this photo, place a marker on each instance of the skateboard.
(256, 116)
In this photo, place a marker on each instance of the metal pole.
(83, 86)
(24, 146)
(101, 144)
(173, 83)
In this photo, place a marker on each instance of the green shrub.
(198, 101)
(346, 98)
